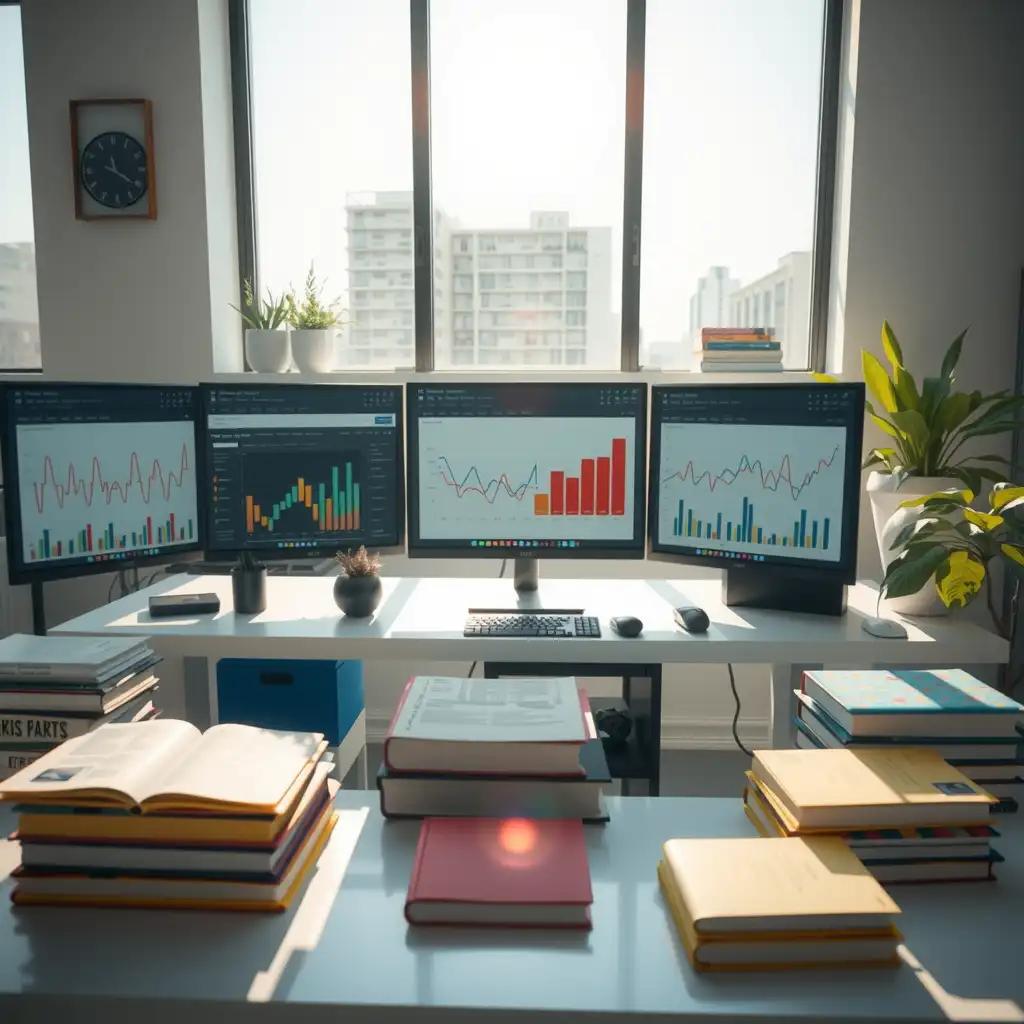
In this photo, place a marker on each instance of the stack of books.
(756, 904)
(53, 689)
(740, 350)
(974, 727)
(493, 748)
(904, 812)
(156, 814)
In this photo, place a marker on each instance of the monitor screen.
(547, 470)
(766, 473)
(97, 475)
(298, 470)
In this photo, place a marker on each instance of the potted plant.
(949, 544)
(266, 334)
(313, 328)
(927, 427)
(357, 591)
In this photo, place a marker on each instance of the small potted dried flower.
(357, 591)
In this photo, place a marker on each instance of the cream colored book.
(165, 765)
(812, 886)
(887, 787)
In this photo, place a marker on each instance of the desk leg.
(200, 678)
(643, 698)
(785, 679)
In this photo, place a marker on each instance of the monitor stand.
(782, 589)
(526, 575)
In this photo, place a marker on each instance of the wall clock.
(112, 153)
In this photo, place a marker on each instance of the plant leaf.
(934, 390)
(1013, 552)
(952, 411)
(918, 530)
(913, 569)
(891, 347)
(959, 578)
(952, 356)
(878, 381)
(951, 496)
(1004, 495)
(911, 423)
(884, 425)
(985, 520)
(906, 389)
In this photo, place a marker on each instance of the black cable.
(736, 713)
(501, 575)
(110, 590)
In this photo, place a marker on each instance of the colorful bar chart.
(94, 539)
(743, 528)
(599, 488)
(332, 506)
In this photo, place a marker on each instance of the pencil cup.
(249, 587)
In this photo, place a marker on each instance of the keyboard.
(517, 624)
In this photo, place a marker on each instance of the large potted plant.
(927, 427)
(947, 546)
(266, 330)
(313, 327)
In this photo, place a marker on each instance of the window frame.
(423, 247)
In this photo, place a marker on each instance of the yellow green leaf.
(966, 496)
(985, 520)
(1007, 494)
(824, 378)
(878, 380)
(963, 580)
(890, 346)
(1013, 552)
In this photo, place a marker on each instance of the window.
(575, 280)
(566, 117)
(576, 318)
(19, 311)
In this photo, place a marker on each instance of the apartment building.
(709, 304)
(780, 299)
(19, 307)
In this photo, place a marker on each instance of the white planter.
(267, 351)
(889, 519)
(313, 351)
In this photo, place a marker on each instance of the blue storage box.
(304, 696)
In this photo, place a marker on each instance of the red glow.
(517, 836)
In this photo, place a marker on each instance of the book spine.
(742, 346)
(41, 728)
(394, 720)
(417, 864)
(737, 332)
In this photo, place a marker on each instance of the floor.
(683, 772)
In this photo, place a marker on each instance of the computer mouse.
(886, 629)
(627, 625)
(693, 620)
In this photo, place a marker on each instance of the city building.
(536, 296)
(19, 307)
(666, 355)
(709, 305)
(780, 299)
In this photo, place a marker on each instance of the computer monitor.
(303, 470)
(762, 480)
(97, 476)
(527, 471)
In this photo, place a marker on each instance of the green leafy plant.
(929, 425)
(950, 544)
(262, 314)
(311, 313)
(359, 563)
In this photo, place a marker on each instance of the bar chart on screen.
(767, 490)
(99, 490)
(529, 478)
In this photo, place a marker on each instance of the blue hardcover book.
(946, 702)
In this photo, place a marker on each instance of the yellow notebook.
(891, 787)
(766, 952)
(756, 887)
(169, 766)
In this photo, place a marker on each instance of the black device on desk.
(762, 480)
(526, 623)
(168, 606)
(692, 619)
(526, 471)
(626, 625)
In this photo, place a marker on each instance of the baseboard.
(677, 733)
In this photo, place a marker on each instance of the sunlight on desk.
(315, 906)
(957, 1007)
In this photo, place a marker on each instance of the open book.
(167, 765)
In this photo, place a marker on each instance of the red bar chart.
(588, 493)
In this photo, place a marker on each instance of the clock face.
(113, 170)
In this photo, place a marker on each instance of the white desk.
(422, 620)
(344, 954)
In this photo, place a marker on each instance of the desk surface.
(424, 618)
(347, 945)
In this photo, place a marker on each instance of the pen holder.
(249, 587)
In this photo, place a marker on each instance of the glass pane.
(731, 104)
(527, 128)
(333, 156)
(19, 305)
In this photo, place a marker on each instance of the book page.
(239, 764)
(124, 759)
(491, 710)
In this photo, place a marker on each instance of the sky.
(527, 107)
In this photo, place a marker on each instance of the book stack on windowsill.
(493, 748)
(155, 814)
(907, 814)
(974, 727)
(740, 350)
(56, 688)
